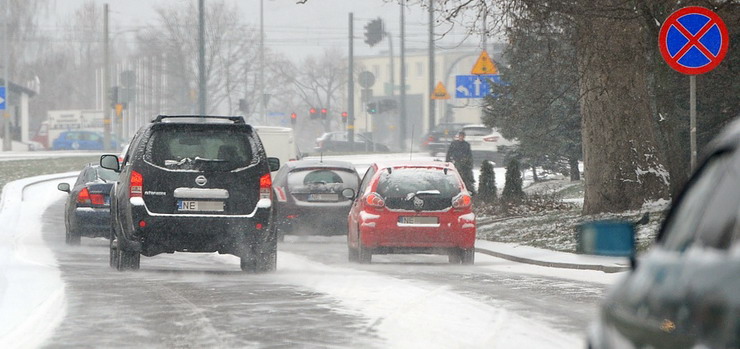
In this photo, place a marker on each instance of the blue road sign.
(2, 98)
(474, 86)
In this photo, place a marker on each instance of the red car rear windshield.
(399, 183)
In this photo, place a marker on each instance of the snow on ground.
(32, 301)
(404, 313)
(414, 314)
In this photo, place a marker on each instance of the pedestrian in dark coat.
(459, 153)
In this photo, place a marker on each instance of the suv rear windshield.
(398, 187)
(200, 149)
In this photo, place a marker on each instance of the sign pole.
(692, 119)
(7, 142)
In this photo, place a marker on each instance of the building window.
(419, 69)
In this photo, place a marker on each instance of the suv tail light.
(490, 139)
(265, 186)
(374, 200)
(83, 197)
(462, 200)
(136, 185)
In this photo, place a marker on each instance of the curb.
(597, 267)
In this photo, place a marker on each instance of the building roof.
(15, 88)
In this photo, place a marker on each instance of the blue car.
(87, 209)
(80, 140)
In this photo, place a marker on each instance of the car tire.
(353, 255)
(72, 238)
(128, 260)
(113, 256)
(467, 256)
(455, 257)
(267, 260)
(364, 255)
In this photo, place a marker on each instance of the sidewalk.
(549, 258)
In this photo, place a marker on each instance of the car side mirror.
(348, 193)
(274, 163)
(110, 162)
(609, 238)
(63, 187)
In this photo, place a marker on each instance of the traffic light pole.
(432, 105)
(351, 87)
(402, 121)
(106, 83)
(201, 59)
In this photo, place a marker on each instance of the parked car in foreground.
(308, 197)
(412, 207)
(87, 208)
(685, 291)
(439, 138)
(81, 140)
(338, 142)
(193, 184)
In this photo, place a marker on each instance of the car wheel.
(467, 256)
(353, 255)
(267, 259)
(72, 238)
(113, 256)
(248, 264)
(364, 255)
(432, 153)
(455, 256)
(128, 260)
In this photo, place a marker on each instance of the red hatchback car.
(412, 207)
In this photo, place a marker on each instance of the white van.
(279, 142)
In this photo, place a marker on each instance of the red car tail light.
(374, 200)
(462, 201)
(490, 139)
(266, 186)
(97, 199)
(83, 197)
(136, 185)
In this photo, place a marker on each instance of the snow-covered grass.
(13, 169)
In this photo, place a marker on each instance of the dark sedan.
(309, 200)
(87, 210)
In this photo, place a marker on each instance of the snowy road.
(315, 299)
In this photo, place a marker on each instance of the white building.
(448, 63)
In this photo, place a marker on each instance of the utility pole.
(402, 128)
(432, 102)
(201, 59)
(262, 62)
(7, 142)
(106, 83)
(351, 86)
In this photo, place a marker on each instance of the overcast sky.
(296, 29)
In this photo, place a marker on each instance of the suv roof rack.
(235, 119)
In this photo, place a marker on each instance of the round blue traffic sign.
(693, 40)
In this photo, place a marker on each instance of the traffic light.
(344, 117)
(313, 114)
(293, 118)
(386, 105)
(374, 32)
(113, 96)
(243, 105)
(323, 113)
(372, 108)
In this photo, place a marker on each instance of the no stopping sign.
(693, 40)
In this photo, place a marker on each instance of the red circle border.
(663, 42)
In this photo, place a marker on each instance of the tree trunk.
(575, 172)
(624, 167)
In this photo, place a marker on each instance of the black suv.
(193, 184)
(685, 291)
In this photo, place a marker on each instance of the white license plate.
(202, 206)
(418, 220)
(323, 197)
